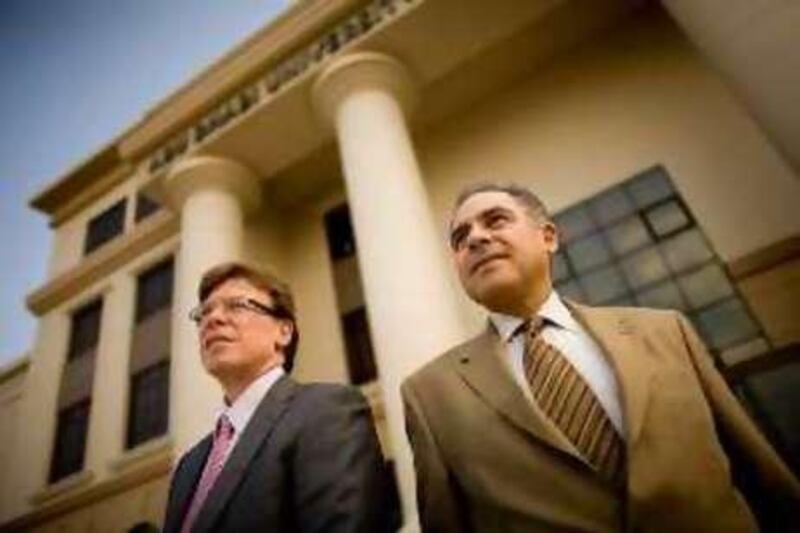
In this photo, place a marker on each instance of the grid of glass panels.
(638, 244)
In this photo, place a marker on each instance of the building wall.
(108, 415)
(114, 513)
(12, 387)
(609, 109)
(69, 235)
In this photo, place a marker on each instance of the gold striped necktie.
(569, 402)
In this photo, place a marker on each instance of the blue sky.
(74, 75)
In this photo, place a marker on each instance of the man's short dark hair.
(265, 280)
(527, 199)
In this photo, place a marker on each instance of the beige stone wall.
(321, 351)
(12, 388)
(774, 296)
(116, 513)
(596, 116)
(105, 441)
(69, 235)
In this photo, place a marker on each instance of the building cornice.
(83, 175)
(14, 368)
(150, 232)
(260, 65)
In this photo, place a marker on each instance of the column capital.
(204, 172)
(361, 71)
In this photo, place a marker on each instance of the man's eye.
(457, 240)
(237, 305)
(495, 220)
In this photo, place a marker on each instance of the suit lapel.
(624, 346)
(186, 480)
(480, 365)
(258, 429)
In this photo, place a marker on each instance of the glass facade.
(638, 244)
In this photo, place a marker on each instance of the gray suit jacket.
(308, 460)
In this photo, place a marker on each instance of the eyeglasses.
(233, 307)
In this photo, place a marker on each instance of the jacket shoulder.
(442, 367)
(328, 394)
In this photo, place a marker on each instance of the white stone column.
(412, 309)
(755, 46)
(213, 196)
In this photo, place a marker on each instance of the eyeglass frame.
(242, 303)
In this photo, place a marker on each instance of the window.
(148, 407)
(339, 231)
(145, 206)
(70, 445)
(105, 226)
(349, 296)
(638, 244)
(154, 290)
(360, 359)
(74, 396)
(85, 331)
(149, 404)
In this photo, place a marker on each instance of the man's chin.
(497, 297)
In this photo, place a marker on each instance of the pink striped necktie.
(223, 436)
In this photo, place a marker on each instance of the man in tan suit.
(565, 417)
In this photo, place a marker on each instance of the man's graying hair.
(535, 207)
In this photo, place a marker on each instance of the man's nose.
(478, 238)
(214, 315)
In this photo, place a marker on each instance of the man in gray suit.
(283, 456)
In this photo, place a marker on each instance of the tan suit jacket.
(488, 460)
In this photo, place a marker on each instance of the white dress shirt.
(563, 332)
(241, 411)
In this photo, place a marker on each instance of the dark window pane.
(360, 359)
(667, 218)
(70, 444)
(726, 324)
(145, 206)
(644, 267)
(154, 290)
(149, 404)
(560, 268)
(685, 250)
(706, 285)
(339, 231)
(665, 295)
(105, 226)
(611, 206)
(776, 394)
(650, 187)
(627, 235)
(588, 252)
(603, 286)
(574, 223)
(85, 330)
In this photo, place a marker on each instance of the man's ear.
(551, 240)
(286, 328)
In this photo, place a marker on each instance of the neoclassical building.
(664, 137)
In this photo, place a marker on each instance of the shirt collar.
(240, 411)
(553, 309)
